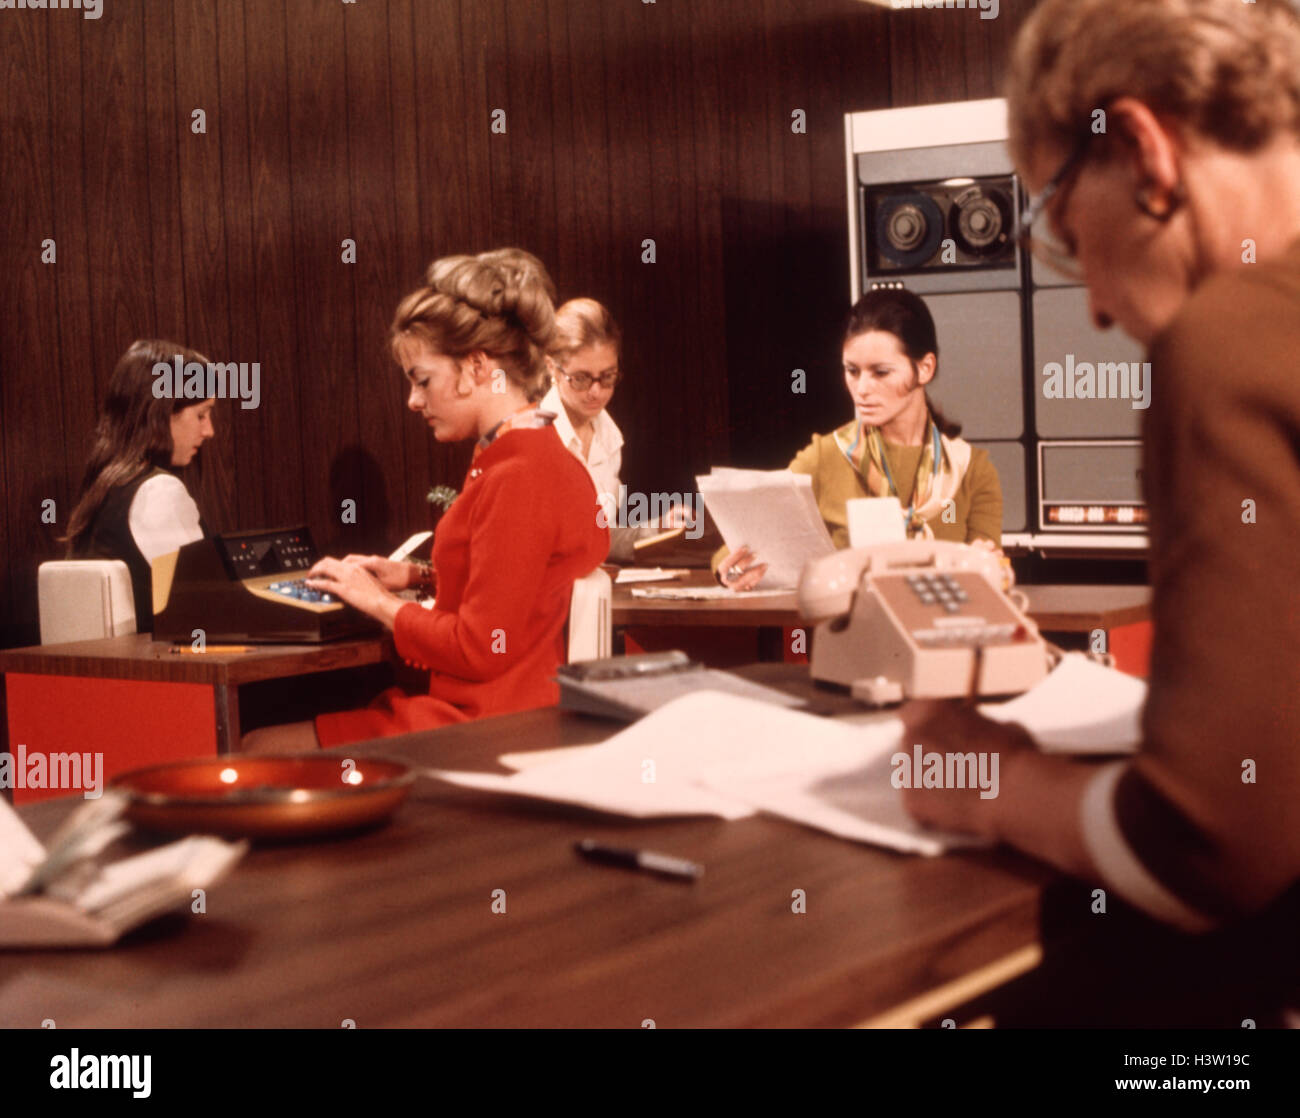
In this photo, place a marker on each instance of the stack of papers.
(727, 756)
(64, 897)
(720, 755)
(774, 514)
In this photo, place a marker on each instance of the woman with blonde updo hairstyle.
(471, 344)
(500, 302)
(1160, 141)
(583, 358)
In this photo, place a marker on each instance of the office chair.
(84, 600)
(591, 630)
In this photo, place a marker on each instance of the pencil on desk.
(186, 650)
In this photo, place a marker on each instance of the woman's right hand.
(740, 570)
(389, 573)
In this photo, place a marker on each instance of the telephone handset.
(919, 619)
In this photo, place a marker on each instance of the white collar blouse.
(604, 461)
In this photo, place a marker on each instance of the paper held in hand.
(774, 513)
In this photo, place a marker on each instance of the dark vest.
(109, 537)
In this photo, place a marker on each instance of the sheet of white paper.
(700, 593)
(774, 513)
(20, 852)
(530, 760)
(82, 835)
(192, 861)
(838, 782)
(1080, 707)
(410, 544)
(874, 520)
(648, 574)
(600, 787)
(652, 768)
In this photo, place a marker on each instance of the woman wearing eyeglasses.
(1163, 139)
(584, 362)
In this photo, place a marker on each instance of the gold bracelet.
(425, 580)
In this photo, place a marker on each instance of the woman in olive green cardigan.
(897, 445)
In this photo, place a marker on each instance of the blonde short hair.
(583, 322)
(500, 302)
(1225, 69)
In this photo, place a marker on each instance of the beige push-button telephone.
(919, 619)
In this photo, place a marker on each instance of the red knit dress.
(506, 555)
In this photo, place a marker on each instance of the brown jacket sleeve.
(1204, 822)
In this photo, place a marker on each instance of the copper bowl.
(246, 796)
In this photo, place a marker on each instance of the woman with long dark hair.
(132, 504)
(898, 443)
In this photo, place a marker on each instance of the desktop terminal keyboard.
(298, 589)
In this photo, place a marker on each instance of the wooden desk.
(396, 928)
(169, 705)
(1057, 609)
(740, 610)
(1121, 611)
(1081, 609)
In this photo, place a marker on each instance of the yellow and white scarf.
(938, 477)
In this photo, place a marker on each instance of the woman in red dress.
(523, 528)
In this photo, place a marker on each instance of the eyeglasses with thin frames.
(582, 381)
(1058, 256)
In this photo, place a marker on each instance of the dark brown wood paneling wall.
(625, 121)
(33, 392)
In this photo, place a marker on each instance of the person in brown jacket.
(1161, 140)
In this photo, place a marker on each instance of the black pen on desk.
(648, 860)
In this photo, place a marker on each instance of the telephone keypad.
(938, 589)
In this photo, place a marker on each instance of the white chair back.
(591, 629)
(85, 600)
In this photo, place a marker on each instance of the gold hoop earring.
(1175, 198)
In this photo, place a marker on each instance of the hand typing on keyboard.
(350, 582)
